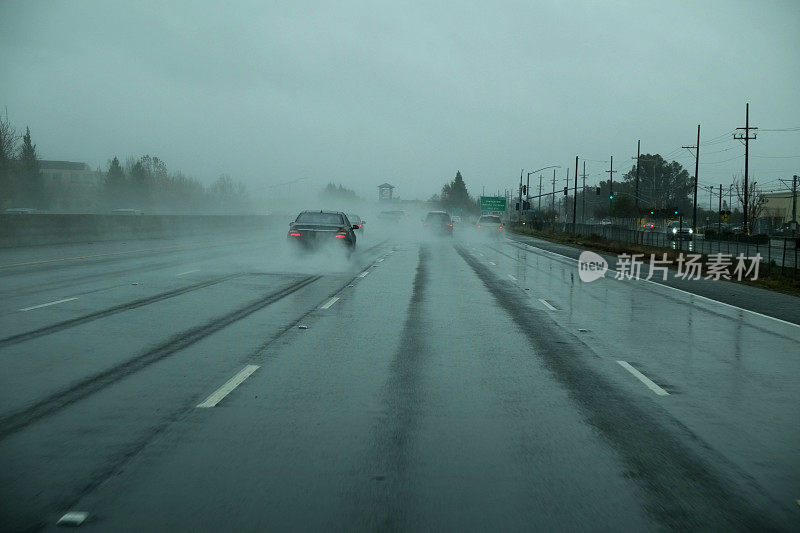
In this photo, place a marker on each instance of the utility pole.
(583, 198)
(719, 213)
(519, 205)
(696, 169)
(566, 198)
(794, 206)
(528, 189)
(610, 172)
(575, 196)
(638, 156)
(792, 223)
(553, 202)
(540, 193)
(746, 138)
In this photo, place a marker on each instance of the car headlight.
(691, 231)
(674, 230)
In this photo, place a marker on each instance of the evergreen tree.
(8, 151)
(456, 197)
(31, 181)
(116, 186)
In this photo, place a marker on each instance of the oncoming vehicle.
(676, 230)
(490, 226)
(315, 229)
(438, 223)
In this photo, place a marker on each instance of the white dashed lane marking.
(329, 303)
(48, 304)
(547, 304)
(226, 389)
(644, 379)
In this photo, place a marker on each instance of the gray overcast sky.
(362, 93)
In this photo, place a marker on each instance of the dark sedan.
(316, 229)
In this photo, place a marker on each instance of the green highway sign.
(493, 203)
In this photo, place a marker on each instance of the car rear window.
(320, 218)
(441, 217)
(490, 220)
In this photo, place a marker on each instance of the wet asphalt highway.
(435, 384)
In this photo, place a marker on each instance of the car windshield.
(311, 217)
(575, 307)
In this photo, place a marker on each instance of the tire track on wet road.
(683, 490)
(178, 342)
(71, 323)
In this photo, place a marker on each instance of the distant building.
(68, 175)
(385, 192)
(778, 207)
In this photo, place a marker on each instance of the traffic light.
(676, 211)
(652, 212)
(565, 190)
(524, 189)
(610, 196)
(516, 206)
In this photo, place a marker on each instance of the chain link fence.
(779, 255)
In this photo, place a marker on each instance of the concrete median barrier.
(36, 229)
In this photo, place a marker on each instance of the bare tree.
(755, 199)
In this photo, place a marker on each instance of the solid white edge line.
(547, 304)
(363, 274)
(512, 277)
(226, 389)
(644, 379)
(329, 303)
(47, 304)
(675, 289)
(188, 272)
(492, 263)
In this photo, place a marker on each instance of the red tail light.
(479, 226)
(340, 236)
(450, 225)
(294, 234)
(501, 227)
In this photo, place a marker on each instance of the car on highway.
(676, 230)
(649, 226)
(489, 226)
(392, 216)
(313, 230)
(438, 223)
(356, 220)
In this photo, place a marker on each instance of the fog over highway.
(222, 384)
